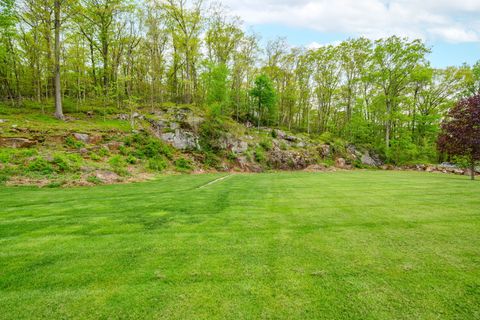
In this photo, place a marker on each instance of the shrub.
(211, 132)
(95, 157)
(266, 144)
(155, 147)
(55, 184)
(118, 165)
(145, 146)
(74, 143)
(94, 180)
(211, 160)
(131, 159)
(103, 152)
(68, 162)
(3, 178)
(40, 165)
(157, 164)
(16, 156)
(260, 155)
(183, 164)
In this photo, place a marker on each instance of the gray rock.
(324, 150)
(239, 147)
(81, 137)
(86, 138)
(174, 125)
(285, 160)
(194, 122)
(234, 145)
(123, 116)
(107, 176)
(280, 134)
(353, 151)
(369, 160)
(291, 138)
(181, 139)
(3, 120)
(340, 163)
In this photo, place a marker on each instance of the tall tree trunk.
(58, 95)
(388, 127)
(472, 170)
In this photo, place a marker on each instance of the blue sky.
(451, 28)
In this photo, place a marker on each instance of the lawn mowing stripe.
(214, 181)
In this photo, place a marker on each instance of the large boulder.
(324, 150)
(371, 160)
(83, 137)
(181, 139)
(340, 163)
(234, 145)
(285, 160)
(16, 142)
(87, 138)
(279, 133)
(107, 176)
(248, 166)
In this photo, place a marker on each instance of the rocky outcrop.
(370, 160)
(248, 166)
(288, 160)
(366, 157)
(181, 139)
(177, 136)
(234, 145)
(17, 142)
(324, 150)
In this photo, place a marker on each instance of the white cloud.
(445, 20)
(315, 45)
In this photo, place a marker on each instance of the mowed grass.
(345, 245)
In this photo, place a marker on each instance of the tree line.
(126, 53)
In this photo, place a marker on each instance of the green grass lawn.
(345, 245)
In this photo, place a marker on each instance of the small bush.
(94, 180)
(3, 178)
(74, 143)
(144, 146)
(131, 159)
(266, 144)
(231, 156)
(157, 164)
(103, 152)
(125, 151)
(67, 162)
(183, 164)
(55, 184)
(16, 156)
(260, 155)
(211, 160)
(155, 147)
(40, 165)
(95, 157)
(118, 165)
